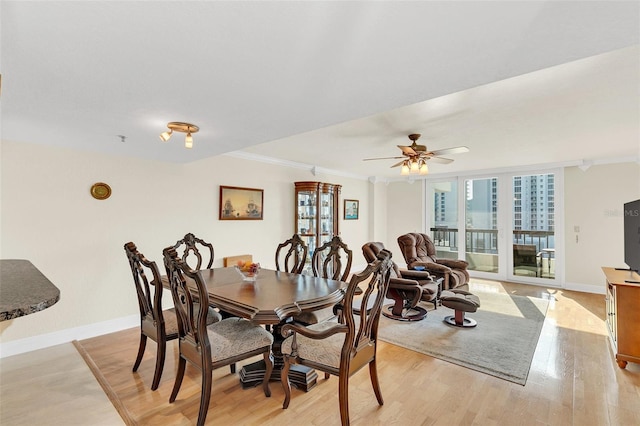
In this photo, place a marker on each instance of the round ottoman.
(461, 302)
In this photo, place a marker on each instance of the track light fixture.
(177, 126)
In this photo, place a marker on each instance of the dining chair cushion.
(324, 351)
(253, 337)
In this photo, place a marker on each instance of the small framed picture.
(240, 203)
(351, 209)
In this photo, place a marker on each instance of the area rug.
(502, 344)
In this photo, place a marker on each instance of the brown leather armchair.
(419, 250)
(407, 288)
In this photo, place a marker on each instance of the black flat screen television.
(632, 235)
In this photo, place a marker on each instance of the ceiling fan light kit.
(417, 156)
(414, 166)
(178, 126)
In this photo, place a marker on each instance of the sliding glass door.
(482, 250)
(443, 227)
(533, 226)
(508, 224)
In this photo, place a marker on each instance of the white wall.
(405, 204)
(49, 218)
(594, 202)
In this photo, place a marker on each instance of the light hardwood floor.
(52, 386)
(574, 380)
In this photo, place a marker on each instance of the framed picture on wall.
(240, 203)
(351, 209)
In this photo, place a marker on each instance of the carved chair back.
(148, 285)
(332, 260)
(192, 322)
(197, 253)
(291, 255)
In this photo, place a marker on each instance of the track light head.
(177, 126)
(165, 136)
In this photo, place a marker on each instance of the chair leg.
(268, 361)
(326, 376)
(182, 363)
(232, 368)
(343, 398)
(160, 355)
(373, 373)
(205, 396)
(141, 347)
(284, 378)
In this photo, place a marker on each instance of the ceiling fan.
(414, 157)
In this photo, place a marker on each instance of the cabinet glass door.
(307, 218)
(326, 216)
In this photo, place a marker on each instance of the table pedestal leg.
(300, 376)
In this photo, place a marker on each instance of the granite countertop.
(24, 289)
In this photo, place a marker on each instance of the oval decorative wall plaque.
(100, 191)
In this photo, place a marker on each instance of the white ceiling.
(327, 83)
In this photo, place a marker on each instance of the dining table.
(271, 299)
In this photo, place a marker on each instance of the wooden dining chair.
(155, 323)
(210, 347)
(291, 255)
(344, 347)
(332, 260)
(197, 253)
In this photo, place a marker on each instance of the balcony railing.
(486, 240)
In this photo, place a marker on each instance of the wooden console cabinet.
(623, 315)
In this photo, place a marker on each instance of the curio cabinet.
(316, 214)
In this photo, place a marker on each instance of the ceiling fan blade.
(407, 150)
(381, 158)
(447, 151)
(398, 164)
(441, 160)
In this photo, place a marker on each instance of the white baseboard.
(29, 344)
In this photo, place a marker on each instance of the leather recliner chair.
(407, 288)
(419, 250)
